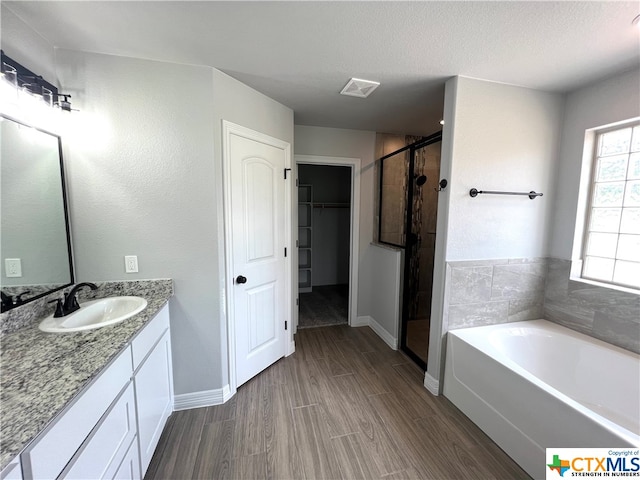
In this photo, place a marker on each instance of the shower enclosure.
(409, 185)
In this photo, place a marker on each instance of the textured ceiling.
(303, 53)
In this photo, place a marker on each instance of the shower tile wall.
(603, 313)
(488, 292)
(394, 188)
(428, 160)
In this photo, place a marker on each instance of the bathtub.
(534, 385)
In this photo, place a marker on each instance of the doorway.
(409, 185)
(324, 221)
(328, 231)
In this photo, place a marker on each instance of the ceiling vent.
(357, 87)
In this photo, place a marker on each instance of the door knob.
(241, 279)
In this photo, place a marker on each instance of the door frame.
(354, 248)
(228, 129)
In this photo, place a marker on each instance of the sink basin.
(95, 314)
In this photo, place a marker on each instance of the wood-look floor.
(343, 406)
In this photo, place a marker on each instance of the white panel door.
(258, 261)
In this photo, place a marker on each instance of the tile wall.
(604, 313)
(489, 292)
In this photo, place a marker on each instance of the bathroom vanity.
(87, 404)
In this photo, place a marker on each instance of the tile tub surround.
(488, 292)
(604, 313)
(42, 372)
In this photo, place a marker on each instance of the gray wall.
(142, 182)
(606, 313)
(335, 142)
(240, 104)
(146, 179)
(609, 101)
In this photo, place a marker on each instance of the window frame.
(588, 213)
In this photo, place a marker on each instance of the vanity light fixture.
(23, 80)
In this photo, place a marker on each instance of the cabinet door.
(101, 454)
(130, 467)
(154, 398)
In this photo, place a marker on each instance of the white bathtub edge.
(505, 434)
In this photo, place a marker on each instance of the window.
(612, 237)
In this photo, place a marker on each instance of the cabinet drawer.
(101, 454)
(146, 339)
(50, 452)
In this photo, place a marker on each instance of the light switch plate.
(131, 264)
(13, 267)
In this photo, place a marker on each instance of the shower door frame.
(412, 148)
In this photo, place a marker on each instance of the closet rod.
(474, 192)
(331, 205)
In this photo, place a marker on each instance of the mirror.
(34, 231)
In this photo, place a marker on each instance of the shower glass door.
(408, 206)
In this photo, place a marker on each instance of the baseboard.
(361, 321)
(204, 398)
(368, 321)
(383, 334)
(431, 384)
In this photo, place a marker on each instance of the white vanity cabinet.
(13, 471)
(153, 380)
(113, 427)
(106, 447)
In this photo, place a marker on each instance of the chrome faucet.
(70, 302)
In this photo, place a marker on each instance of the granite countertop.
(41, 373)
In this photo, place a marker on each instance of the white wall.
(496, 137)
(506, 138)
(608, 101)
(335, 142)
(386, 291)
(24, 45)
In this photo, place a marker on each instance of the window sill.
(575, 276)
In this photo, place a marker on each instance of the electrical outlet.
(13, 267)
(131, 264)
